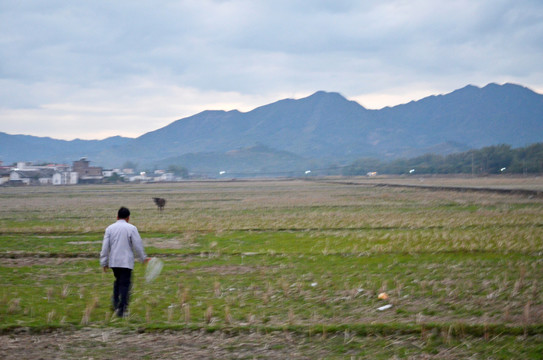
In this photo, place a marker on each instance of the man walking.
(121, 242)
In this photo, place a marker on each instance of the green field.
(275, 269)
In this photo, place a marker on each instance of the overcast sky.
(93, 69)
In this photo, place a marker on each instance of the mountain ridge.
(323, 127)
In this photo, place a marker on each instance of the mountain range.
(322, 129)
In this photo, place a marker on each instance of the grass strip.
(454, 330)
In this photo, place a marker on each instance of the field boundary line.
(523, 192)
(456, 329)
(293, 229)
(209, 254)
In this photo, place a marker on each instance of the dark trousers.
(121, 289)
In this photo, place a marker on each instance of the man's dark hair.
(123, 213)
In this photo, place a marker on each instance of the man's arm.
(137, 244)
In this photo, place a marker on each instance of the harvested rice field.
(433, 268)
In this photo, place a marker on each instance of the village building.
(107, 173)
(165, 177)
(4, 175)
(65, 178)
(87, 174)
(142, 178)
(26, 173)
(112, 172)
(24, 165)
(31, 176)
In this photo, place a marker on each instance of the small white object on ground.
(154, 267)
(388, 306)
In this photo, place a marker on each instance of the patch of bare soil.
(84, 242)
(115, 344)
(31, 261)
(171, 243)
(229, 269)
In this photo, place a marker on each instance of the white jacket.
(121, 242)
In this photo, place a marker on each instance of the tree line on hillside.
(488, 160)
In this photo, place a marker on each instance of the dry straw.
(208, 314)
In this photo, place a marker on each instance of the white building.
(30, 177)
(165, 177)
(142, 177)
(24, 165)
(65, 178)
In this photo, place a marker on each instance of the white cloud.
(93, 113)
(94, 69)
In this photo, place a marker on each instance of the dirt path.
(118, 344)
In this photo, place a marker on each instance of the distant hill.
(252, 161)
(15, 148)
(323, 128)
(470, 117)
